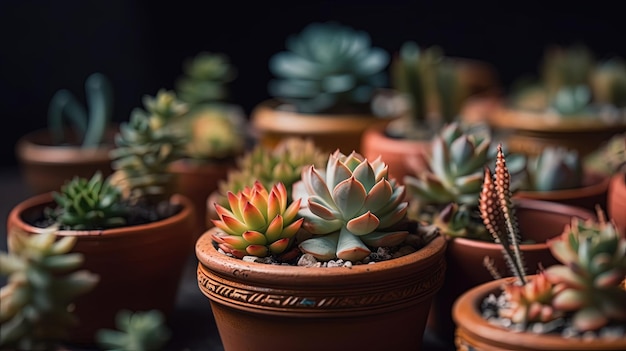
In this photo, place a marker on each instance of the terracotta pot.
(593, 192)
(381, 306)
(402, 156)
(197, 181)
(46, 167)
(616, 201)
(530, 132)
(140, 266)
(538, 221)
(475, 333)
(329, 132)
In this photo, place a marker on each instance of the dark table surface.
(192, 325)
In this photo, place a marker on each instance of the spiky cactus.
(137, 331)
(593, 257)
(555, 168)
(350, 206)
(145, 147)
(283, 164)
(43, 281)
(328, 67)
(257, 222)
(87, 204)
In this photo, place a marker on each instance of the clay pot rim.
(35, 147)
(466, 314)
(213, 260)
(509, 118)
(594, 184)
(42, 200)
(541, 205)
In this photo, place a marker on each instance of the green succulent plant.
(431, 86)
(44, 278)
(350, 206)
(90, 126)
(215, 129)
(205, 78)
(573, 84)
(257, 222)
(555, 168)
(328, 67)
(588, 285)
(88, 204)
(137, 331)
(608, 158)
(283, 163)
(146, 146)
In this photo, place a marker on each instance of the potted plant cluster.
(314, 289)
(448, 198)
(578, 304)
(324, 88)
(215, 128)
(434, 87)
(76, 141)
(129, 222)
(577, 98)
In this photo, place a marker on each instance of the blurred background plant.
(43, 280)
(136, 331)
(89, 124)
(328, 67)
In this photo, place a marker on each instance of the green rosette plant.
(257, 222)
(350, 206)
(88, 204)
(555, 168)
(328, 67)
(44, 278)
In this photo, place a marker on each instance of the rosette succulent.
(589, 281)
(87, 204)
(555, 168)
(350, 206)
(328, 67)
(283, 164)
(146, 146)
(44, 278)
(257, 222)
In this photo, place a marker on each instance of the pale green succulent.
(350, 207)
(555, 168)
(88, 204)
(137, 331)
(90, 124)
(283, 163)
(257, 222)
(593, 258)
(456, 168)
(609, 82)
(43, 281)
(146, 146)
(328, 67)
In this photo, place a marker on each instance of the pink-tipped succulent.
(593, 255)
(350, 207)
(531, 302)
(257, 222)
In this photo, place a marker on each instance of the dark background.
(140, 45)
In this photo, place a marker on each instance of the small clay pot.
(256, 305)
(473, 332)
